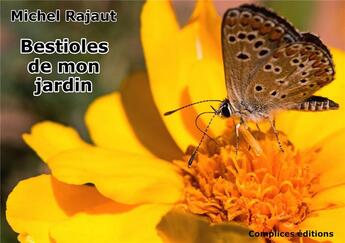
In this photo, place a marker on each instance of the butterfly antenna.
(196, 124)
(203, 101)
(192, 157)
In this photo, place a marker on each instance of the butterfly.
(269, 66)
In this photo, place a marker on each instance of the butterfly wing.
(290, 75)
(249, 34)
(316, 103)
(268, 64)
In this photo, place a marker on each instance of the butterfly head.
(225, 109)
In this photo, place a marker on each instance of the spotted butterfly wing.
(291, 74)
(260, 50)
(249, 33)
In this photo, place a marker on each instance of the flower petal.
(158, 16)
(137, 225)
(145, 119)
(109, 126)
(206, 24)
(151, 13)
(202, 35)
(209, 73)
(329, 160)
(317, 125)
(123, 177)
(183, 50)
(326, 221)
(329, 198)
(49, 138)
(129, 121)
(37, 203)
(203, 44)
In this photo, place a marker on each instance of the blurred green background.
(20, 110)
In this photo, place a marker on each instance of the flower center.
(267, 192)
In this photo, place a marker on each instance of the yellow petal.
(37, 203)
(329, 160)
(307, 128)
(183, 50)
(137, 225)
(123, 177)
(109, 126)
(145, 119)
(49, 138)
(209, 73)
(164, 13)
(329, 198)
(205, 75)
(206, 24)
(158, 16)
(330, 221)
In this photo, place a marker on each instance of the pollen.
(269, 191)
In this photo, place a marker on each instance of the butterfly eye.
(226, 111)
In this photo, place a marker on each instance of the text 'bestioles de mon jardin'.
(61, 47)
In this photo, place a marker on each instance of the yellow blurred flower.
(133, 184)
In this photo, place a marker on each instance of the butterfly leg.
(237, 127)
(273, 125)
(237, 133)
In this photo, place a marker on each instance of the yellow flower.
(121, 187)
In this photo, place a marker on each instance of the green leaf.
(180, 226)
